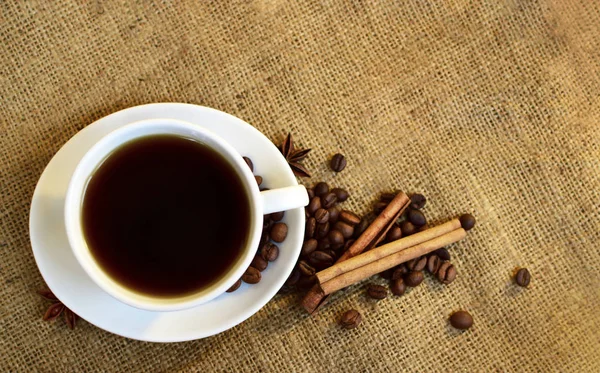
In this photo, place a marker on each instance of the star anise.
(57, 308)
(294, 156)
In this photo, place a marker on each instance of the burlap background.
(489, 108)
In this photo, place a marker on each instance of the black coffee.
(165, 215)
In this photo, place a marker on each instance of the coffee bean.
(523, 277)
(350, 319)
(249, 163)
(293, 278)
(422, 228)
(398, 287)
(264, 238)
(446, 273)
(269, 252)
(306, 214)
(417, 201)
(387, 197)
(387, 274)
(235, 286)
(416, 217)
(331, 253)
(321, 189)
(308, 247)
(258, 179)
(341, 194)
(305, 268)
(461, 320)
(328, 200)
(306, 283)
(443, 253)
(314, 205)
(433, 264)
(334, 213)
(349, 217)
(399, 272)
(277, 216)
(251, 276)
(346, 229)
(324, 244)
(259, 263)
(320, 258)
(394, 233)
(322, 215)
(310, 227)
(407, 228)
(336, 239)
(338, 162)
(417, 264)
(279, 232)
(361, 227)
(322, 230)
(467, 221)
(348, 244)
(378, 207)
(414, 278)
(310, 192)
(377, 292)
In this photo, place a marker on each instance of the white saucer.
(76, 290)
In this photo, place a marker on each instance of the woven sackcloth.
(488, 107)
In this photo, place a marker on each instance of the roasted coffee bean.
(249, 163)
(398, 287)
(417, 264)
(279, 232)
(310, 192)
(251, 276)
(416, 217)
(321, 189)
(269, 252)
(349, 217)
(336, 239)
(331, 253)
(443, 253)
(322, 215)
(294, 277)
(467, 221)
(235, 286)
(407, 228)
(264, 238)
(338, 162)
(277, 216)
(324, 244)
(308, 247)
(305, 283)
(258, 179)
(322, 230)
(387, 197)
(259, 263)
(320, 258)
(350, 319)
(461, 320)
(341, 194)
(346, 229)
(328, 200)
(361, 227)
(306, 214)
(399, 272)
(433, 264)
(305, 268)
(378, 207)
(348, 244)
(414, 278)
(394, 233)
(446, 273)
(417, 201)
(314, 205)
(310, 227)
(523, 277)
(377, 292)
(334, 214)
(387, 274)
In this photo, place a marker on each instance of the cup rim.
(94, 157)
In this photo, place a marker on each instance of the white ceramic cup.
(261, 203)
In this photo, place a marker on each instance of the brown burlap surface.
(486, 108)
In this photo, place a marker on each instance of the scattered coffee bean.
(387, 197)
(341, 194)
(324, 244)
(346, 229)
(279, 232)
(398, 287)
(311, 193)
(264, 238)
(338, 162)
(417, 201)
(414, 278)
(331, 253)
(461, 320)
(306, 282)
(433, 264)
(416, 217)
(349, 217)
(350, 319)
(407, 228)
(377, 292)
(322, 216)
(321, 189)
(378, 207)
(322, 230)
(259, 263)
(235, 286)
(294, 277)
(328, 200)
(446, 273)
(417, 264)
(251, 276)
(467, 221)
(314, 205)
(394, 233)
(277, 216)
(387, 274)
(249, 163)
(258, 179)
(305, 268)
(320, 258)
(523, 277)
(310, 228)
(400, 272)
(361, 227)
(442, 253)
(269, 252)
(308, 247)
(334, 213)
(348, 244)
(336, 239)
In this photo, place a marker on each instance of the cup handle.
(282, 199)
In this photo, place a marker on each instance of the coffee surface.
(165, 215)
